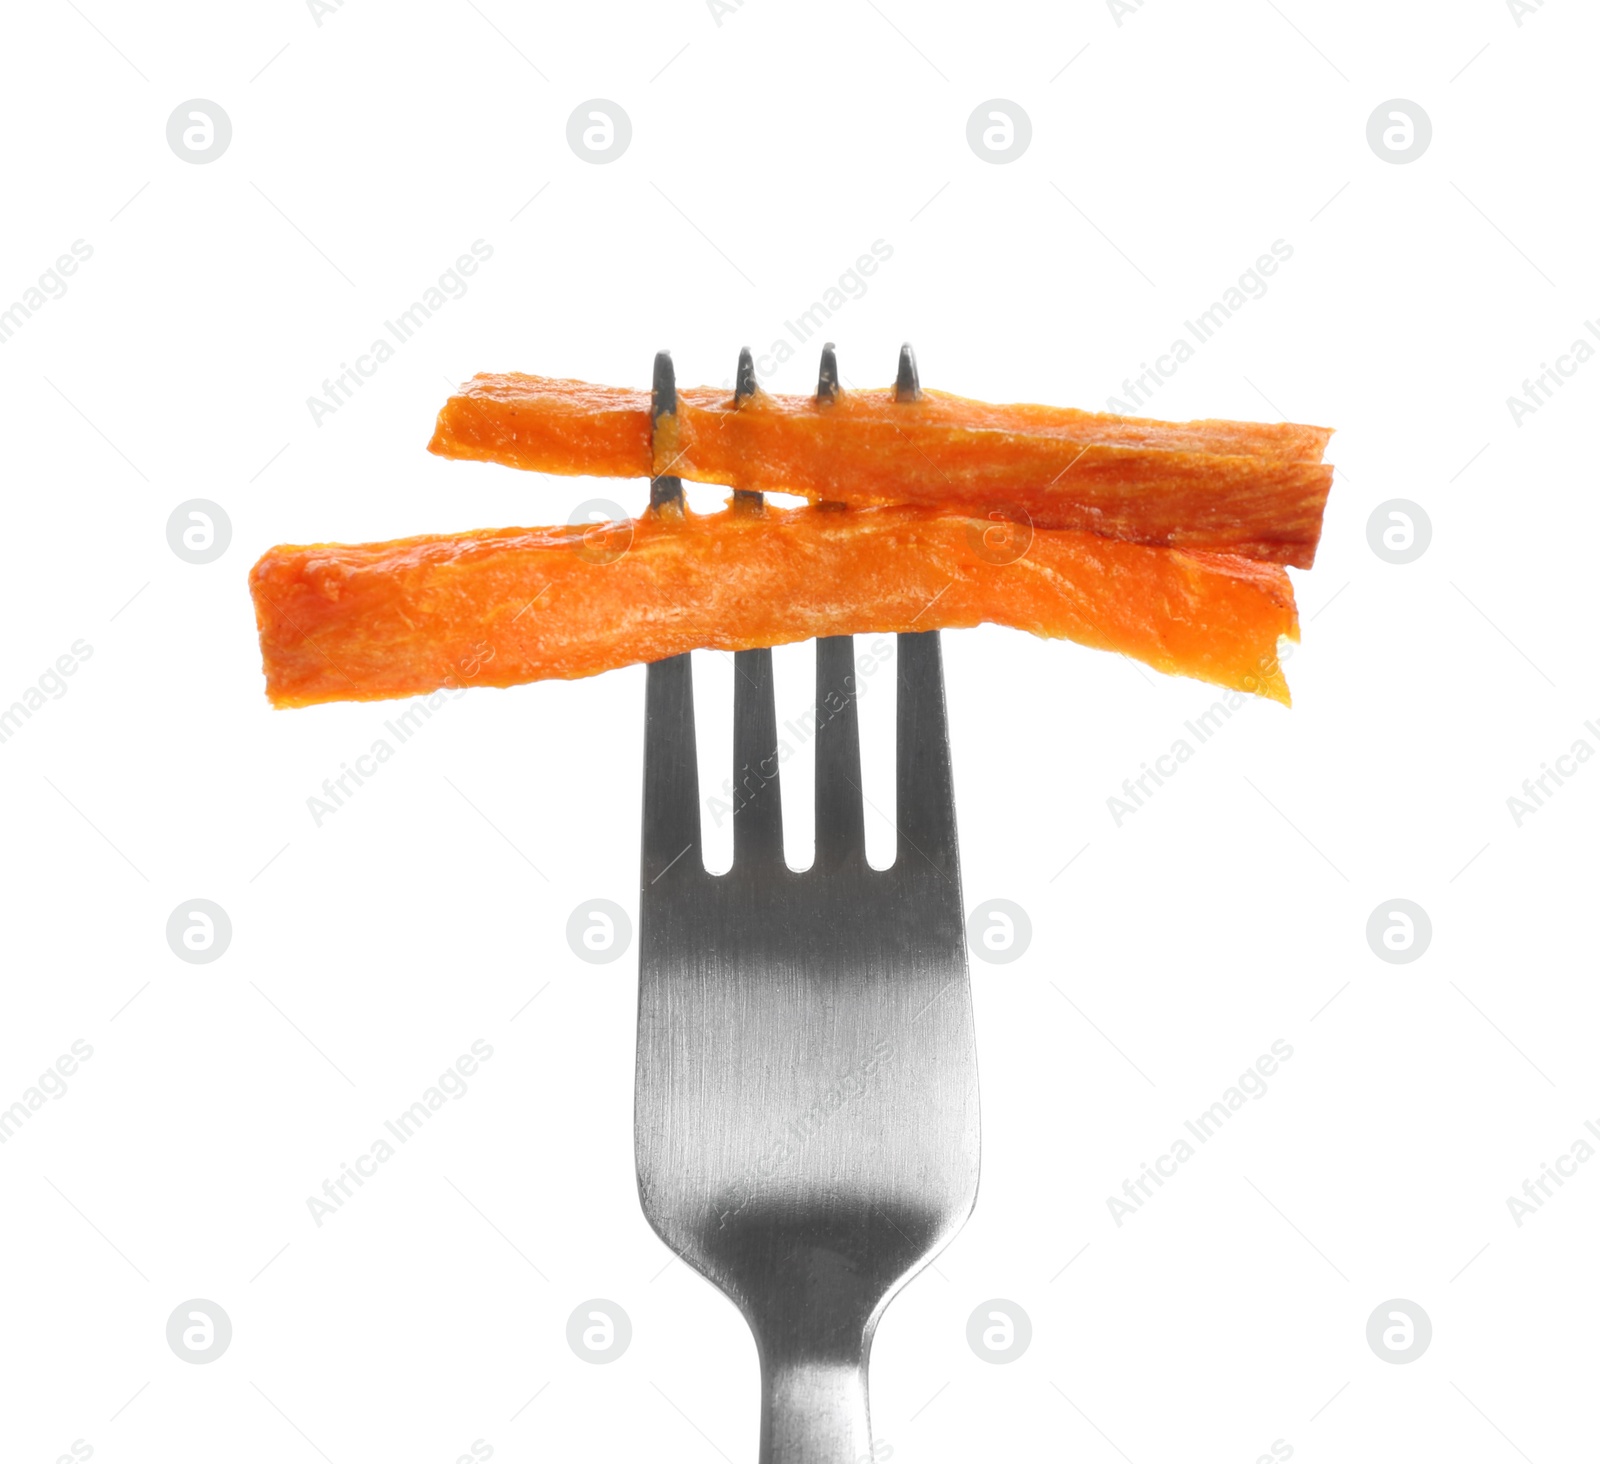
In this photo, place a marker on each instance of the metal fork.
(806, 1097)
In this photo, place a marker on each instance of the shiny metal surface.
(665, 492)
(806, 1099)
(906, 386)
(828, 375)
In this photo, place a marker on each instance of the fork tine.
(670, 842)
(925, 798)
(744, 382)
(670, 838)
(757, 807)
(925, 795)
(667, 491)
(841, 837)
(828, 375)
(745, 386)
(906, 386)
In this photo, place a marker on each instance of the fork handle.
(814, 1413)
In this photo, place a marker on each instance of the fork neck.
(814, 1412)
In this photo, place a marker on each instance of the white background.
(368, 953)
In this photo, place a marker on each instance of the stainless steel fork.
(806, 1099)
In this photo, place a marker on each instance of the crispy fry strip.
(500, 607)
(1228, 487)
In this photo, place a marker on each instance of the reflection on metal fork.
(806, 1103)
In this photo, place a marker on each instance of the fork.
(806, 1096)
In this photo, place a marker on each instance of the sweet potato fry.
(501, 607)
(1252, 489)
